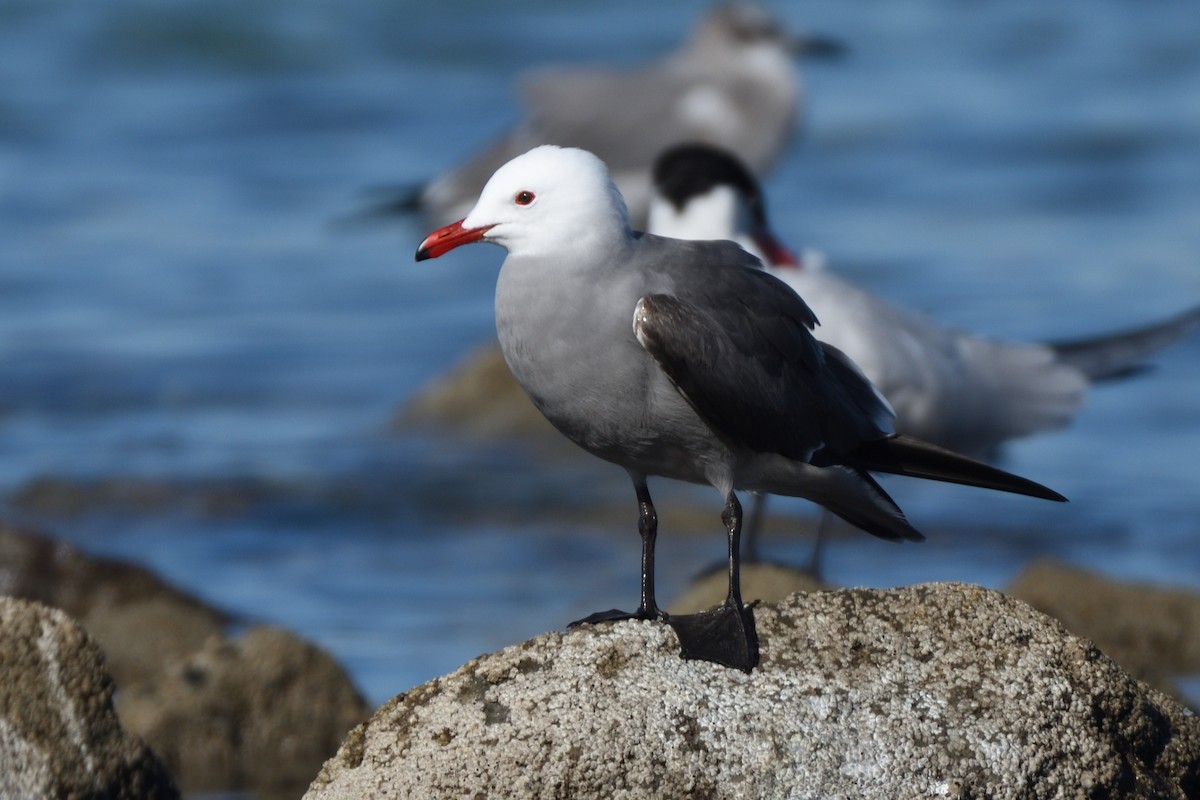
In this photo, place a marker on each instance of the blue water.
(178, 302)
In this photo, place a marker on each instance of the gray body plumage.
(583, 366)
(753, 396)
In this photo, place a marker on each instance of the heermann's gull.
(733, 83)
(947, 386)
(683, 360)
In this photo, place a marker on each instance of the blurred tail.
(904, 455)
(1119, 355)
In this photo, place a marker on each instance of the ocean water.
(183, 305)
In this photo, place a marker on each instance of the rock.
(59, 735)
(57, 496)
(934, 690)
(263, 711)
(1153, 632)
(140, 620)
(761, 580)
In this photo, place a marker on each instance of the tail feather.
(882, 518)
(856, 497)
(1121, 354)
(904, 455)
(846, 491)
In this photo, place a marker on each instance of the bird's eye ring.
(524, 198)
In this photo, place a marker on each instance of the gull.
(682, 359)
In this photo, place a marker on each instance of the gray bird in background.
(732, 83)
(683, 359)
(948, 386)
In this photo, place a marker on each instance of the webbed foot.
(724, 635)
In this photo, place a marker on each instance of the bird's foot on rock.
(616, 615)
(724, 635)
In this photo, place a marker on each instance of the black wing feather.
(693, 349)
(739, 348)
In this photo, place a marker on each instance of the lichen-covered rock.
(934, 690)
(1152, 631)
(262, 711)
(59, 735)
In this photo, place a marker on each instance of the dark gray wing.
(736, 342)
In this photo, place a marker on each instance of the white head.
(550, 201)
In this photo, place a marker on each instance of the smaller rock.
(57, 496)
(59, 735)
(262, 711)
(140, 620)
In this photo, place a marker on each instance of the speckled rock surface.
(262, 711)
(59, 735)
(1152, 631)
(939, 690)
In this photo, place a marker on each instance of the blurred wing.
(607, 112)
(627, 117)
(1121, 354)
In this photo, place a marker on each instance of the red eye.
(524, 198)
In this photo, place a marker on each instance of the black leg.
(724, 635)
(732, 517)
(648, 529)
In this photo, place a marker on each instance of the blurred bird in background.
(957, 389)
(732, 83)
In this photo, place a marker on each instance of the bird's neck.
(586, 249)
